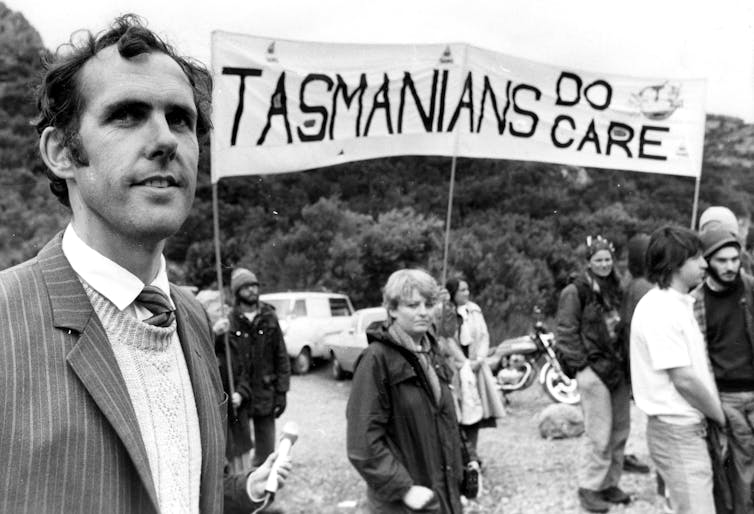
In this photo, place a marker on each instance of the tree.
(401, 238)
(310, 255)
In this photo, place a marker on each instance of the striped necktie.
(155, 301)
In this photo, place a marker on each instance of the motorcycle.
(519, 361)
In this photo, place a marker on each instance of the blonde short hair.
(402, 283)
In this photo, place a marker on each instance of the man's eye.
(123, 116)
(180, 120)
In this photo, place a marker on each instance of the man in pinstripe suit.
(111, 400)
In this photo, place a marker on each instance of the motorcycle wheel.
(557, 389)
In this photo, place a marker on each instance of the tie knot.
(156, 302)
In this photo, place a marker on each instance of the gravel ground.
(523, 473)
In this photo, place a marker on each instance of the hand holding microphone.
(290, 434)
(270, 476)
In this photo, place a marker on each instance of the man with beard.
(723, 309)
(261, 368)
(736, 221)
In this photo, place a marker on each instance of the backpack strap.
(585, 291)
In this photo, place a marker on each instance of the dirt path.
(524, 474)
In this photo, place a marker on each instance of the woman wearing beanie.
(589, 342)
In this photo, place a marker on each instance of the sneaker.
(592, 501)
(633, 465)
(615, 494)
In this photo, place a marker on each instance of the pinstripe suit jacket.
(69, 438)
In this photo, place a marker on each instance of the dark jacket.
(397, 434)
(635, 291)
(746, 302)
(264, 356)
(582, 333)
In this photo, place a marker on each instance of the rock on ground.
(559, 421)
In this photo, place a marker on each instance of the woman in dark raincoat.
(402, 434)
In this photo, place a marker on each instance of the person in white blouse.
(469, 348)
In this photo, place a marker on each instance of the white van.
(306, 318)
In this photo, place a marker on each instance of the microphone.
(290, 434)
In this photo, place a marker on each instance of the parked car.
(346, 345)
(306, 318)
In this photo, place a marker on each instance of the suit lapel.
(92, 358)
(194, 333)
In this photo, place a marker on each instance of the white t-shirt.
(665, 335)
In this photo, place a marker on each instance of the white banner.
(282, 106)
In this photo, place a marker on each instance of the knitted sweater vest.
(154, 369)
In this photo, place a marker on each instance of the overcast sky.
(652, 38)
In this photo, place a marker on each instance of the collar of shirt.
(111, 280)
(687, 299)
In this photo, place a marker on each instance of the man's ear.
(54, 154)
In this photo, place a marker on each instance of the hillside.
(517, 227)
(29, 212)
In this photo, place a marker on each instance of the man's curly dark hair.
(59, 99)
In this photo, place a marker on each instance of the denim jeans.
(739, 411)
(607, 421)
(680, 454)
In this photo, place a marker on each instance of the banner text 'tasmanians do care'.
(282, 106)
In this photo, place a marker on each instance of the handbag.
(471, 410)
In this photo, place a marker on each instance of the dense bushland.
(517, 228)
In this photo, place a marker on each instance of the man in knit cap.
(724, 309)
(260, 361)
(112, 400)
(737, 223)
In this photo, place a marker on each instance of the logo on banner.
(658, 102)
(446, 57)
(270, 54)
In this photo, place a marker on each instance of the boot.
(615, 494)
(633, 465)
(592, 501)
